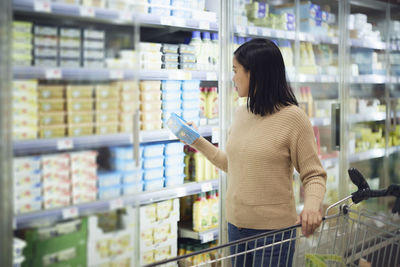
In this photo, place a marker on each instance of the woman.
(268, 137)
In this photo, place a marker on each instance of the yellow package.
(161, 233)
(80, 129)
(150, 106)
(146, 236)
(51, 91)
(130, 106)
(80, 117)
(151, 125)
(51, 105)
(106, 92)
(106, 128)
(164, 208)
(148, 257)
(80, 105)
(151, 116)
(52, 131)
(150, 85)
(79, 91)
(107, 105)
(149, 96)
(106, 116)
(51, 118)
(129, 96)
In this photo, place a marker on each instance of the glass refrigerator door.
(316, 80)
(366, 99)
(394, 95)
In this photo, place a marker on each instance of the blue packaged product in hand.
(181, 129)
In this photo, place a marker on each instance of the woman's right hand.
(191, 124)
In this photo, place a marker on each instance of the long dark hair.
(269, 90)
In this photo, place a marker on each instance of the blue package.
(181, 129)
(122, 164)
(132, 176)
(171, 104)
(190, 95)
(154, 184)
(190, 85)
(174, 170)
(171, 95)
(155, 162)
(151, 174)
(167, 86)
(173, 148)
(177, 159)
(175, 180)
(191, 104)
(106, 179)
(132, 188)
(125, 152)
(150, 151)
(109, 192)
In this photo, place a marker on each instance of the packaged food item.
(106, 128)
(51, 118)
(80, 105)
(80, 117)
(53, 131)
(105, 105)
(80, 129)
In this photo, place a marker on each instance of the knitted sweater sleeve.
(212, 153)
(304, 156)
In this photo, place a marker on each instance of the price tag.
(86, 11)
(310, 38)
(324, 78)
(116, 74)
(179, 22)
(215, 135)
(42, 6)
(208, 237)
(240, 29)
(211, 76)
(252, 30)
(125, 15)
(206, 187)
(65, 144)
(116, 204)
(166, 21)
(311, 78)
(53, 74)
(69, 213)
(130, 139)
(204, 25)
(265, 32)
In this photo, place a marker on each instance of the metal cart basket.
(346, 237)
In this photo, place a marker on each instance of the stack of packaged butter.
(25, 109)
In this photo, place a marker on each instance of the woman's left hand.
(310, 220)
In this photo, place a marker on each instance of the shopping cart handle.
(358, 179)
(394, 190)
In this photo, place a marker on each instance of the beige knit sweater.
(260, 155)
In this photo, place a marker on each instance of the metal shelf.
(378, 45)
(370, 78)
(325, 121)
(22, 147)
(33, 72)
(186, 231)
(111, 16)
(376, 116)
(319, 78)
(367, 155)
(48, 216)
(373, 154)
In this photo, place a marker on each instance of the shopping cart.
(346, 237)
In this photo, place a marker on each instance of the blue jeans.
(276, 255)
